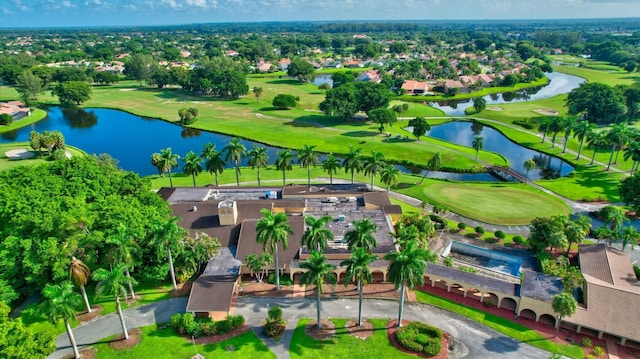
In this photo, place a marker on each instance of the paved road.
(478, 341)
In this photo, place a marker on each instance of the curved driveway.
(481, 342)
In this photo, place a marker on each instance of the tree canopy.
(72, 92)
(598, 102)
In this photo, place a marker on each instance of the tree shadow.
(286, 82)
(359, 134)
(501, 345)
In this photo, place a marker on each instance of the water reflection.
(79, 118)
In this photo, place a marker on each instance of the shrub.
(636, 270)
(479, 230)
(518, 239)
(500, 234)
(448, 262)
(462, 225)
(5, 119)
(438, 221)
(224, 326)
(598, 351)
(467, 269)
(586, 342)
(432, 348)
(526, 123)
(183, 323)
(488, 303)
(419, 337)
(284, 101)
(236, 321)
(274, 313)
(275, 325)
(284, 280)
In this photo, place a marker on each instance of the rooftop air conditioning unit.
(333, 199)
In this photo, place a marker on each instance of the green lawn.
(502, 325)
(166, 343)
(501, 203)
(344, 345)
(6, 163)
(604, 74)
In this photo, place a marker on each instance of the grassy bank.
(36, 115)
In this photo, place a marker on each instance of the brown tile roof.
(247, 243)
(610, 293)
(379, 199)
(211, 294)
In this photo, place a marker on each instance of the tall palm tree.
(123, 251)
(358, 269)
(271, 230)
(581, 131)
(406, 269)
(529, 165)
(235, 151)
(595, 140)
(543, 126)
(318, 271)
(60, 301)
(433, 164)
(156, 161)
(168, 235)
(168, 161)
(192, 165)
(352, 161)
(555, 126)
(308, 157)
(568, 125)
(633, 152)
(390, 176)
(574, 233)
(331, 166)
(80, 274)
(213, 161)
(630, 236)
(317, 235)
(361, 236)
(258, 157)
(113, 282)
(283, 163)
(617, 136)
(373, 164)
(477, 143)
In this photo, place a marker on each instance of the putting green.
(505, 204)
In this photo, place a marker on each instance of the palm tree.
(361, 236)
(581, 131)
(569, 124)
(113, 282)
(213, 161)
(168, 160)
(168, 235)
(156, 161)
(331, 166)
(565, 305)
(352, 161)
(60, 301)
(80, 274)
(271, 230)
(358, 269)
(574, 233)
(235, 151)
(317, 235)
(433, 164)
(283, 163)
(307, 158)
(258, 157)
(555, 126)
(595, 140)
(373, 164)
(543, 126)
(406, 269)
(123, 250)
(318, 271)
(615, 216)
(529, 165)
(390, 176)
(617, 136)
(192, 165)
(479, 104)
(477, 143)
(633, 152)
(630, 236)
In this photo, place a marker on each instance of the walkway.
(479, 341)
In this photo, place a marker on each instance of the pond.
(559, 83)
(462, 133)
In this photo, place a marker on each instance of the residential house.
(412, 87)
(369, 76)
(15, 109)
(283, 64)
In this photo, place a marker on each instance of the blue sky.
(65, 13)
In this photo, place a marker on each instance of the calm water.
(462, 133)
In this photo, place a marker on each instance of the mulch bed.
(86, 317)
(391, 334)
(326, 331)
(361, 332)
(264, 289)
(212, 339)
(183, 290)
(119, 343)
(87, 353)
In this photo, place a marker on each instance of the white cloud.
(18, 5)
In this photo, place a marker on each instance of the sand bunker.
(546, 112)
(19, 154)
(127, 89)
(493, 108)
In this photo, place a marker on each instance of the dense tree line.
(351, 98)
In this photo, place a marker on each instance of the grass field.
(502, 325)
(344, 345)
(166, 343)
(6, 163)
(506, 204)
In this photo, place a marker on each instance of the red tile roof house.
(412, 87)
(15, 109)
(284, 64)
(369, 76)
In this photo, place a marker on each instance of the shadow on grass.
(360, 134)
(286, 82)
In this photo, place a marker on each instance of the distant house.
(369, 76)
(447, 85)
(15, 109)
(353, 64)
(263, 66)
(231, 53)
(283, 64)
(185, 53)
(412, 87)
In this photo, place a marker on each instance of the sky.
(72, 13)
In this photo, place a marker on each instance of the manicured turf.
(166, 343)
(344, 345)
(502, 325)
(601, 74)
(6, 163)
(506, 204)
